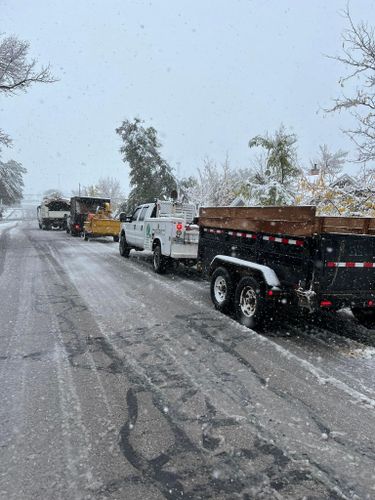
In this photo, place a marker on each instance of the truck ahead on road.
(165, 228)
(53, 213)
(263, 258)
(80, 207)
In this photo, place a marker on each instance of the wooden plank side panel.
(349, 225)
(292, 221)
(293, 214)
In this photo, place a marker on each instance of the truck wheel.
(248, 302)
(159, 262)
(85, 236)
(365, 316)
(123, 247)
(221, 289)
(67, 230)
(115, 239)
(40, 225)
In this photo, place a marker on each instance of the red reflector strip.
(351, 264)
(325, 303)
(285, 241)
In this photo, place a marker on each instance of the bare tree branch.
(17, 73)
(359, 55)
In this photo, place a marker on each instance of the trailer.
(262, 258)
(80, 207)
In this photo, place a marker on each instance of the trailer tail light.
(325, 303)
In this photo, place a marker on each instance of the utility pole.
(79, 189)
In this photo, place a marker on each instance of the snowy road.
(119, 383)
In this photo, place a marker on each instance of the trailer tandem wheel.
(249, 302)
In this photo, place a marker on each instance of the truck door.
(131, 228)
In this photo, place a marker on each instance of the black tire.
(249, 302)
(40, 225)
(159, 262)
(123, 246)
(67, 230)
(365, 316)
(85, 236)
(221, 289)
(116, 239)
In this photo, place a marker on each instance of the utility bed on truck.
(259, 257)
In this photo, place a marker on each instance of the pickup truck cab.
(163, 227)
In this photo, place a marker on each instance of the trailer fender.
(268, 274)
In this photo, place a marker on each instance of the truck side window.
(135, 214)
(143, 213)
(153, 213)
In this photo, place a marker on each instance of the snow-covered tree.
(150, 175)
(358, 56)
(111, 188)
(329, 164)
(215, 185)
(274, 178)
(11, 182)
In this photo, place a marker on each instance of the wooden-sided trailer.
(263, 257)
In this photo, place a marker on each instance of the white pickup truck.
(53, 213)
(165, 228)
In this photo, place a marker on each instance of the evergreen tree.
(150, 175)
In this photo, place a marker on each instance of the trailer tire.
(159, 262)
(123, 247)
(221, 289)
(365, 316)
(249, 302)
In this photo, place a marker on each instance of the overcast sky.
(208, 75)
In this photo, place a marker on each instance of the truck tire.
(67, 230)
(40, 225)
(123, 247)
(85, 236)
(249, 302)
(365, 316)
(221, 289)
(159, 262)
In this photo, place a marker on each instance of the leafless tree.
(358, 55)
(330, 164)
(17, 73)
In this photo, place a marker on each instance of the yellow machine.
(101, 223)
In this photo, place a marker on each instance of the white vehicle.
(164, 227)
(53, 213)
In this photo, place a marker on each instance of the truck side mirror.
(123, 217)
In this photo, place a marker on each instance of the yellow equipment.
(101, 223)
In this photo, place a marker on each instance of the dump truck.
(80, 207)
(165, 228)
(261, 258)
(52, 213)
(101, 223)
